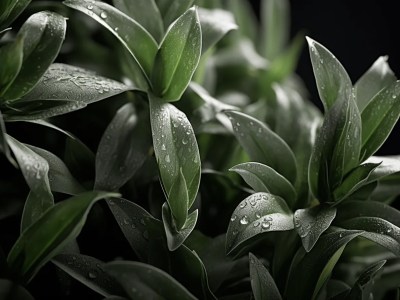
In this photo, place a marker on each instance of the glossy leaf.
(263, 145)
(127, 30)
(123, 149)
(215, 24)
(377, 77)
(379, 118)
(146, 13)
(43, 35)
(317, 264)
(63, 89)
(170, 11)
(60, 178)
(45, 238)
(175, 147)
(11, 10)
(178, 201)
(88, 271)
(11, 57)
(255, 215)
(4, 148)
(387, 165)
(12, 291)
(310, 223)
(177, 57)
(142, 281)
(175, 237)
(262, 178)
(333, 82)
(35, 170)
(132, 220)
(262, 283)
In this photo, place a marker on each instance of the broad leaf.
(178, 57)
(127, 30)
(262, 283)
(262, 178)
(171, 10)
(255, 215)
(12, 291)
(142, 281)
(175, 237)
(63, 89)
(244, 17)
(333, 82)
(263, 145)
(45, 238)
(317, 264)
(4, 148)
(310, 223)
(88, 271)
(178, 201)
(123, 149)
(10, 10)
(378, 77)
(43, 35)
(387, 165)
(175, 147)
(379, 118)
(215, 24)
(146, 13)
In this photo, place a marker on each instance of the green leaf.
(11, 57)
(178, 201)
(171, 10)
(127, 30)
(146, 13)
(177, 57)
(63, 89)
(43, 35)
(35, 170)
(262, 178)
(12, 291)
(3, 142)
(88, 271)
(10, 10)
(317, 265)
(60, 178)
(215, 24)
(175, 147)
(387, 165)
(333, 82)
(142, 281)
(123, 149)
(262, 283)
(45, 238)
(363, 287)
(132, 220)
(310, 223)
(255, 215)
(388, 279)
(379, 118)
(263, 145)
(175, 238)
(378, 77)
(244, 17)
(275, 30)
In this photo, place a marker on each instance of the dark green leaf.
(333, 82)
(12, 291)
(177, 57)
(388, 279)
(35, 170)
(262, 178)
(132, 220)
(311, 222)
(178, 201)
(123, 149)
(11, 10)
(262, 283)
(45, 238)
(215, 24)
(63, 89)
(175, 237)
(275, 27)
(146, 13)
(387, 165)
(4, 148)
(255, 215)
(11, 56)
(379, 118)
(142, 281)
(171, 10)
(88, 271)
(244, 17)
(127, 30)
(175, 147)
(313, 269)
(263, 145)
(378, 76)
(43, 35)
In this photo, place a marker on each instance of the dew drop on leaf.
(256, 224)
(103, 15)
(167, 159)
(92, 275)
(243, 204)
(244, 220)
(233, 218)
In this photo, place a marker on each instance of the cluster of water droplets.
(93, 269)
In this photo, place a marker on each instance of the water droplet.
(103, 15)
(251, 123)
(167, 159)
(266, 225)
(256, 224)
(163, 147)
(116, 29)
(184, 141)
(235, 232)
(90, 7)
(92, 275)
(126, 221)
(243, 204)
(233, 218)
(258, 215)
(341, 235)
(389, 230)
(394, 96)
(244, 220)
